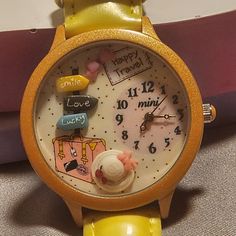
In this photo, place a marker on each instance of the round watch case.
(125, 200)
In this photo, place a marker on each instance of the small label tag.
(75, 121)
(127, 63)
(78, 103)
(71, 83)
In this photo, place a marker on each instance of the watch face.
(106, 101)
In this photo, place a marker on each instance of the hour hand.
(143, 126)
(147, 118)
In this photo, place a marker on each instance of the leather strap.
(143, 221)
(86, 15)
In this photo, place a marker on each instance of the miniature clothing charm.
(110, 173)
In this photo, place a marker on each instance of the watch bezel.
(158, 190)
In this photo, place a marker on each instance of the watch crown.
(60, 3)
(209, 113)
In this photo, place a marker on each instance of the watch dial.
(115, 96)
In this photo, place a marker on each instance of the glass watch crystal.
(111, 95)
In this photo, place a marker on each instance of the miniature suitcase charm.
(77, 166)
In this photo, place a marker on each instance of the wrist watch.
(111, 118)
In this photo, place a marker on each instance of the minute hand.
(159, 104)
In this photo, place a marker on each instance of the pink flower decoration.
(94, 67)
(92, 70)
(128, 161)
(105, 55)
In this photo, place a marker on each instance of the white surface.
(27, 14)
(162, 11)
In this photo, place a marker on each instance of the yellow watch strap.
(143, 221)
(87, 15)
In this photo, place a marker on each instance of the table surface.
(204, 202)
